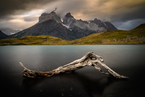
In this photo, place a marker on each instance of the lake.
(128, 60)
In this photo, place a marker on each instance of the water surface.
(128, 60)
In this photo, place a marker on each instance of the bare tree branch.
(90, 59)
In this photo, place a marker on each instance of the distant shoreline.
(69, 44)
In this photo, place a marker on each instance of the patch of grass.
(33, 40)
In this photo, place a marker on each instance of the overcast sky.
(21, 14)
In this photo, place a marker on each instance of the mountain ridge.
(46, 28)
(92, 25)
(68, 29)
(134, 36)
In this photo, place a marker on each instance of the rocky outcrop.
(48, 27)
(105, 25)
(48, 16)
(69, 20)
(92, 25)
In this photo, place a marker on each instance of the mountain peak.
(48, 16)
(69, 29)
(97, 20)
(68, 19)
(69, 15)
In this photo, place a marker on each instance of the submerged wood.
(90, 59)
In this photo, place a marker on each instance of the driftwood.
(90, 59)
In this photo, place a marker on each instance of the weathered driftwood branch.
(90, 59)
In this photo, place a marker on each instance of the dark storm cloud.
(121, 10)
(130, 14)
(10, 7)
(112, 10)
(122, 13)
(125, 14)
(128, 25)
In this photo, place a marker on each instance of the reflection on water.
(87, 82)
(92, 87)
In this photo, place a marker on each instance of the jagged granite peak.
(48, 27)
(69, 29)
(72, 23)
(48, 16)
(93, 25)
(83, 21)
(68, 20)
(68, 15)
(110, 26)
(98, 22)
(107, 25)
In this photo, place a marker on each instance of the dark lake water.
(128, 60)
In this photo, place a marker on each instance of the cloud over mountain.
(120, 12)
(10, 7)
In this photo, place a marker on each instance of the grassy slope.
(33, 40)
(134, 36)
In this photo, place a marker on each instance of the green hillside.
(134, 36)
(34, 40)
